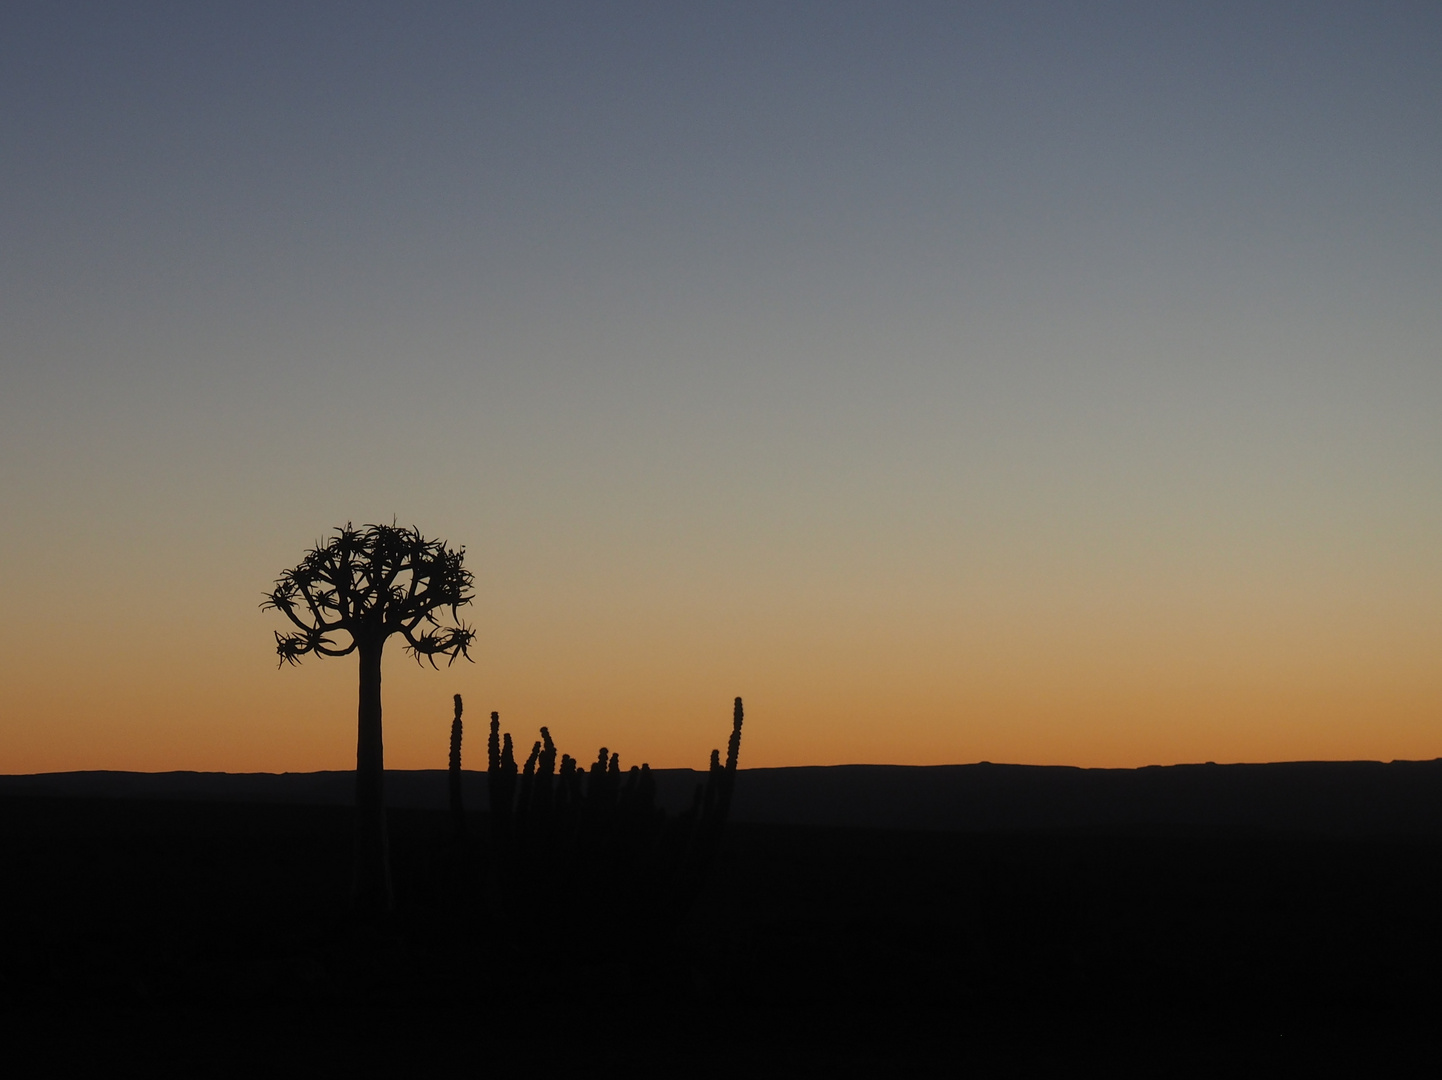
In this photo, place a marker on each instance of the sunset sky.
(1052, 383)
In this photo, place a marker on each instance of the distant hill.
(1308, 796)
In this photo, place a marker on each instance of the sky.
(1049, 383)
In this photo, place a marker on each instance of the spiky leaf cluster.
(369, 583)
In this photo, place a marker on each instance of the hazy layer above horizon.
(1014, 382)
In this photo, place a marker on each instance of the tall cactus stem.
(458, 811)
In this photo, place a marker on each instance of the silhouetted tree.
(369, 584)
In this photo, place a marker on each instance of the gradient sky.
(1052, 383)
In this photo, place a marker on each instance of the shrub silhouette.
(369, 584)
(584, 862)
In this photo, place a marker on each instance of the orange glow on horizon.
(935, 692)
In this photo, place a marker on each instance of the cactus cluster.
(578, 854)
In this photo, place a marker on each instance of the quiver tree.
(350, 595)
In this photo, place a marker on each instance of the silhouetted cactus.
(523, 823)
(709, 810)
(582, 856)
(501, 776)
(458, 811)
(733, 754)
(493, 745)
(542, 796)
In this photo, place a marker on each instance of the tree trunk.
(372, 882)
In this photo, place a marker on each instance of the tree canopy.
(369, 583)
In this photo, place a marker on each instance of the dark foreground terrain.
(215, 937)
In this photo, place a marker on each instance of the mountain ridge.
(1304, 796)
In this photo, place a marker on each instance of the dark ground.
(214, 937)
